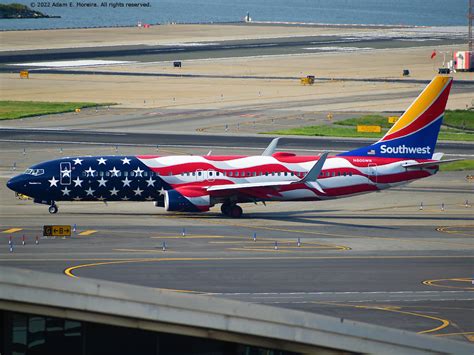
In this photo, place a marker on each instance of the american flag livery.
(196, 183)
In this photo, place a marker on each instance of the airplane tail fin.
(415, 133)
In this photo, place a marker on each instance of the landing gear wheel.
(53, 209)
(225, 209)
(235, 211)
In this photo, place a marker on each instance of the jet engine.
(187, 200)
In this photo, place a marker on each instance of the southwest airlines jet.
(196, 183)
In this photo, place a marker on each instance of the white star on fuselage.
(102, 181)
(101, 198)
(78, 161)
(138, 171)
(150, 182)
(125, 161)
(162, 191)
(149, 198)
(101, 161)
(53, 182)
(66, 173)
(77, 198)
(126, 182)
(78, 182)
(90, 171)
(114, 191)
(138, 192)
(114, 171)
(90, 191)
(65, 191)
(125, 198)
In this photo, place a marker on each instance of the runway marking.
(283, 249)
(194, 237)
(435, 283)
(158, 250)
(12, 230)
(336, 235)
(448, 229)
(468, 335)
(444, 322)
(69, 270)
(88, 232)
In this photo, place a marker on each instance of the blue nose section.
(16, 183)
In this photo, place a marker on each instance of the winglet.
(271, 147)
(313, 174)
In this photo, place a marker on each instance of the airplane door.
(65, 173)
(372, 173)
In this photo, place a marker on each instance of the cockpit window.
(34, 172)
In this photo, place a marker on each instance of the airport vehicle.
(196, 183)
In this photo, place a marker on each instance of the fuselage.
(148, 178)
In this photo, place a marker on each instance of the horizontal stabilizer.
(428, 164)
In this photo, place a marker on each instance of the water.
(387, 12)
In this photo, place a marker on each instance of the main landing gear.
(231, 210)
(53, 208)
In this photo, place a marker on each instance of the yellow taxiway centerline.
(88, 232)
(12, 230)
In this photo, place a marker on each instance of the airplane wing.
(428, 164)
(310, 179)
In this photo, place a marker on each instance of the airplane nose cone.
(14, 183)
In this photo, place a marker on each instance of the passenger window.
(254, 174)
(266, 173)
(279, 173)
(292, 174)
(217, 173)
(350, 173)
(327, 173)
(145, 173)
(338, 173)
(199, 173)
(132, 173)
(345, 174)
(333, 173)
(125, 173)
(286, 174)
(210, 173)
(170, 173)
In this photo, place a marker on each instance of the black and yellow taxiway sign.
(57, 231)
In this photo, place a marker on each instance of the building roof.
(205, 316)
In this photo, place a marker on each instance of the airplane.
(196, 183)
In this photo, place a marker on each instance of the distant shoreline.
(242, 23)
(19, 11)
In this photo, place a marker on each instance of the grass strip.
(461, 165)
(10, 110)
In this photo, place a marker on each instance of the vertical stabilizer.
(415, 133)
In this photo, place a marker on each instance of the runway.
(375, 258)
(226, 141)
(222, 49)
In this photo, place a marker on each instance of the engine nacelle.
(186, 200)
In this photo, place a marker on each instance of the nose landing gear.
(53, 208)
(231, 210)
